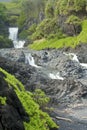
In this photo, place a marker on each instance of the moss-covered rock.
(21, 101)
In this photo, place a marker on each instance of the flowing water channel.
(13, 35)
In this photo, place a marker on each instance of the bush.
(21, 20)
(46, 28)
(75, 22)
(5, 42)
(23, 34)
(49, 10)
(32, 29)
(40, 97)
(67, 6)
(13, 20)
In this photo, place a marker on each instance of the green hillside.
(49, 23)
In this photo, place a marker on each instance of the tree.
(2, 12)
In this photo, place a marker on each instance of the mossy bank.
(13, 95)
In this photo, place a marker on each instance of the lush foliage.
(64, 42)
(5, 42)
(68, 6)
(3, 19)
(38, 120)
(40, 97)
(2, 11)
(47, 32)
(49, 9)
(46, 29)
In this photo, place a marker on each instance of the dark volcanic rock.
(72, 89)
(12, 114)
(69, 90)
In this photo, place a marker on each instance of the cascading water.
(55, 76)
(75, 58)
(30, 60)
(13, 33)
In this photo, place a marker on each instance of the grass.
(65, 42)
(12, 8)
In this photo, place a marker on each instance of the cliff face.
(18, 111)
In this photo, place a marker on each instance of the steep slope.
(64, 25)
(18, 111)
(63, 42)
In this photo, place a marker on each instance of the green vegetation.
(38, 120)
(12, 7)
(40, 97)
(70, 6)
(3, 20)
(64, 42)
(44, 22)
(5, 42)
(2, 100)
(46, 29)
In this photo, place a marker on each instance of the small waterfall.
(13, 33)
(55, 76)
(83, 64)
(30, 60)
(72, 56)
(75, 58)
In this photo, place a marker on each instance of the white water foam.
(75, 58)
(30, 60)
(55, 76)
(83, 64)
(13, 33)
(72, 56)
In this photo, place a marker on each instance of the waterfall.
(30, 60)
(55, 76)
(83, 64)
(75, 58)
(72, 56)
(13, 33)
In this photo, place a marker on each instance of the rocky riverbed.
(59, 74)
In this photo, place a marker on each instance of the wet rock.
(72, 89)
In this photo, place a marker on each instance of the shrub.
(40, 97)
(46, 28)
(13, 20)
(49, 10)
(32, 29)
(5, 42)
(67, 6)
(23, 34)
(75, 22)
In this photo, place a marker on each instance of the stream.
(60, 74)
